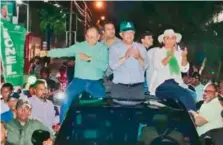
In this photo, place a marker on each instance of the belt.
(131, 85)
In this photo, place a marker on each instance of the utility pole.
(70, 23)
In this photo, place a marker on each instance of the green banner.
(12, 52)
(7, 8)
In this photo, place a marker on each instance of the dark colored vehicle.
(122, 122)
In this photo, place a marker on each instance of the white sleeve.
(158, 57)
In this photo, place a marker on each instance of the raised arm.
(63, 52)
(185, 66)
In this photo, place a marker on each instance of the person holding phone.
(169, 62)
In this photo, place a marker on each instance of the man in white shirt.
(6, 90)
(42, 109)
(209, 115)
(168, 64)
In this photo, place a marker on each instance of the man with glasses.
(90, 64)
(209, 115)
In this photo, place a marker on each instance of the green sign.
(12, 52)
(7, 8)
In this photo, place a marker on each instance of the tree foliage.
(191, 19)
(54, 18)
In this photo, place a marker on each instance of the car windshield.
(123, 122)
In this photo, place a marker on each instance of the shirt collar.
(19, 124)
(90, 45)
(104, 41)
(38, 99)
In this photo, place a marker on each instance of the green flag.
(12, 52)
(7, 8)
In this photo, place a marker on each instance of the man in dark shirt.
(51, 84)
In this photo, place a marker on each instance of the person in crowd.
(3, 134)
(91, 63)
(62, 77)
(221, 88)
(11, 114)
(198, 86)
(27, 93)
(220, 97)
(6, 90)
(208, 116)
(42, 108)
(186, 79)
(146, 39)
(35, 66)
(51, 84)
(70, 70)
(169, 63)
(109, 34)
(109, 40)
(21, 128)
(128, 61)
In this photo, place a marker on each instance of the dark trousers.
(171, 89)
(129, 92)
(215, 136)
(93, 87)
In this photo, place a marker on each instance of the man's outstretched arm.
(63, 52)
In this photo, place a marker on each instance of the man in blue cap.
(128, 60)
(11, 114)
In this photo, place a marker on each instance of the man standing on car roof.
(128, 60)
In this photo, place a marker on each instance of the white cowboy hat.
(170, 32)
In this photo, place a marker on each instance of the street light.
(99, 4)
(102, 18)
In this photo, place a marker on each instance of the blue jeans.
(94, 87)
(171, 89)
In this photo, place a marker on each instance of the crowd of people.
(125, 68)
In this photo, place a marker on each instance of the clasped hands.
(133, 52)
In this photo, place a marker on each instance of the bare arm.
(200, 120)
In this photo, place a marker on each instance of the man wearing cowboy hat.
(128, 60)
(169, 62)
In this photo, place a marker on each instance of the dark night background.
(192, 19)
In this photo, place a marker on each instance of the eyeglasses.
(209, 91)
